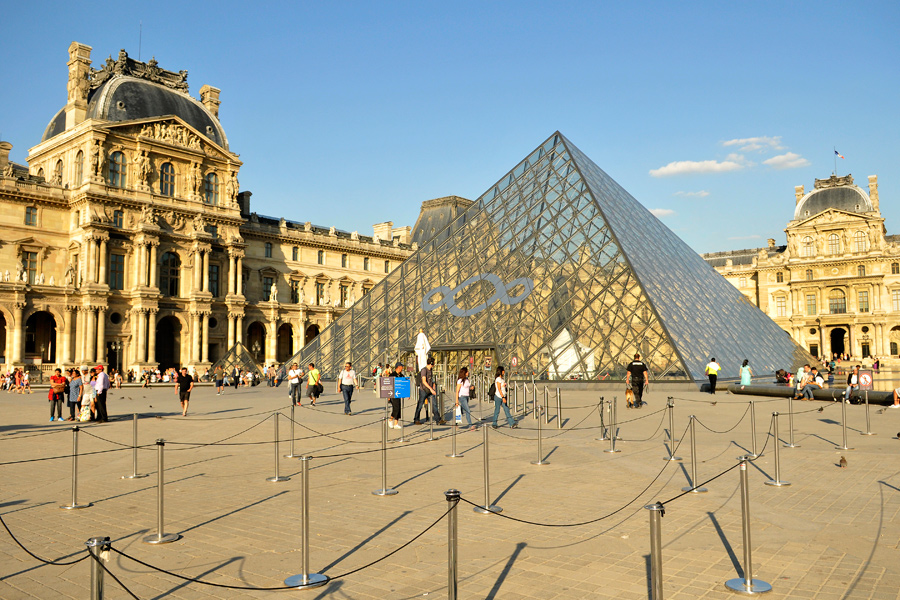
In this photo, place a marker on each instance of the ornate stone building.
(126, 240)
(835, 286)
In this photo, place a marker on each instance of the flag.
(839, 154)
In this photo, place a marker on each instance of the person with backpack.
(498, 392)
(314, 386)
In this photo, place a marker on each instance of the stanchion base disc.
(740, 586)
(843, 448)
(671, 458)
(162, 539)
(540, 462)
(312, 580)
(868, 433)
(772, 482)
(695, 490)
(276, 479)
(749, 456)
(455, 455)
(790, 446)
(135, 476)
(399, 440)
(486, 511)
(611, 450)
(75, 506)
(602, 439)
(387, 492)
(292, 455)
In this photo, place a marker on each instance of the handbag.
(58, 388)
(458, 415)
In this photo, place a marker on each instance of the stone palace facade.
(127, 241)
(835, 286)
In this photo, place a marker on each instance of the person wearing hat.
(101, 384)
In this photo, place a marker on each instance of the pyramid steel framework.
(556, 270)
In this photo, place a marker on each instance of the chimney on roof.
(383, 230)
(79, 83)
(873, 191)
(798, 192)
(5, 147)
(209, 96)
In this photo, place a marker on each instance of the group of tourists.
(18, 380)
(83, 390)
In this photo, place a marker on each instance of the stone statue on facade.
(148, 215)
(231, 187)
(41, 279)
(70, 275)
(9, 170)
(273, 293)
(307, 226)
(199, 224)
(96, 158)
(196, 178)
(6, 275)
(142, 161)
(301, 295)
(52, 281)
(20, 270)
(873, 237)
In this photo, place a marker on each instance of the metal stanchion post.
(693, 487)
(161, 537)
(305, 579)
(291, 455)
(843, 427)
(431, 429)
(385, 490)
(453, 429)
(488, 507)
(524, 399)
(75, 473)
(657, 512)
(540, 458)
(277, 476)
(868, 430)
(777, 481)
(99, 548)
(615, 413)
(546, 405)
(515, 397)
(613, 425)
(452, 556)
(558, 410)
(535, 400)
(401, 439)
(752, 454)
(603, 429)
(441, 406)
(134, 447)
(746, 584)
(791, 443)
(670, 407)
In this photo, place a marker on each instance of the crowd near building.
(127, 241)
(835, 286)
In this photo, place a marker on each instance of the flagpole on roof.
(835, 161)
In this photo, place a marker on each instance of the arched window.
(58, 173)
(837, 302)
(167, 179)
(268, 249)
(895, 268)
(860, 243)
(40, 172)
(807, 247)
(211, 189)
(79, 167)
(834, 244)
(169, 274)
(117, 170)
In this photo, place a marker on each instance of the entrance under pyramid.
(557, 273)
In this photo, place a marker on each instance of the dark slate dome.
(125, 98)
(836, 192)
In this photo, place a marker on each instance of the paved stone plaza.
(831, 535)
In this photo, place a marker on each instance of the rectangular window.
(811, 304)
(321, 257)
(387, 266)
(344, 261)
(894, 348)
(837, 304)
(320, 293)
(861, 271)
(864, 301)
(214, 280)
(268, 282)
(295, 291)
(116, 272)
(866, 351)
(814, 349)
(295, 253)
(345, 295)
(365, 290)
(779, 277)
(742, 282)
(212, 230)
(366, 264)
(29, 260)
(780, 307)
(895, 300)
(118, 219)
(268, 249)
(31, 216)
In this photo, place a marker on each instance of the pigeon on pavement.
(843, 463)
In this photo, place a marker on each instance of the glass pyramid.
(559, 273)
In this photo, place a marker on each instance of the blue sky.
(349, 114)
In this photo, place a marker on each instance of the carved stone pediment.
(832, 217)
(150, 71)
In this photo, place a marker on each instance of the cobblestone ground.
(832, 534)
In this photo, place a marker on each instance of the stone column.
(152, 283)
(18, 333)
(68, 341)
(272, 342)
(204, 275)
(239, 330)
(79, 335)
(140, 265)
(90, 335)
(140, 353)
(230, 331)
(151, 335)
(102, 261)
(198, 265)
(239, 273)
(195, 334)
(91, 261)
(230, 275)
(204, 341)
(101, 336)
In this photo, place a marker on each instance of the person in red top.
(57, 394)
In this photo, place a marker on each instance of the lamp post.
(43, 349)
(256, 349)
(116, 347)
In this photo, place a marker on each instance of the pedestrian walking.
(500, 400)
(396, 403)
(463, 389)
(57, 394)
(746, 373)
(184, 385)
(76, 390)
(313, 385)
(636, 377)
(426, 391)
(346, 382)
(712, 371)
(295, 378)
(101, 384)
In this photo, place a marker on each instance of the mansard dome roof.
(125, 90)
(834, 192)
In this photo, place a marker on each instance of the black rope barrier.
(80, 454)
(9, 438)
(730, 429)
(110, 573)
(56, 562)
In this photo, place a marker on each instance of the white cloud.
(789, 160)
(662, 212)
(700, 194)
(694, 167)
(745, 237)
(754, 144)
